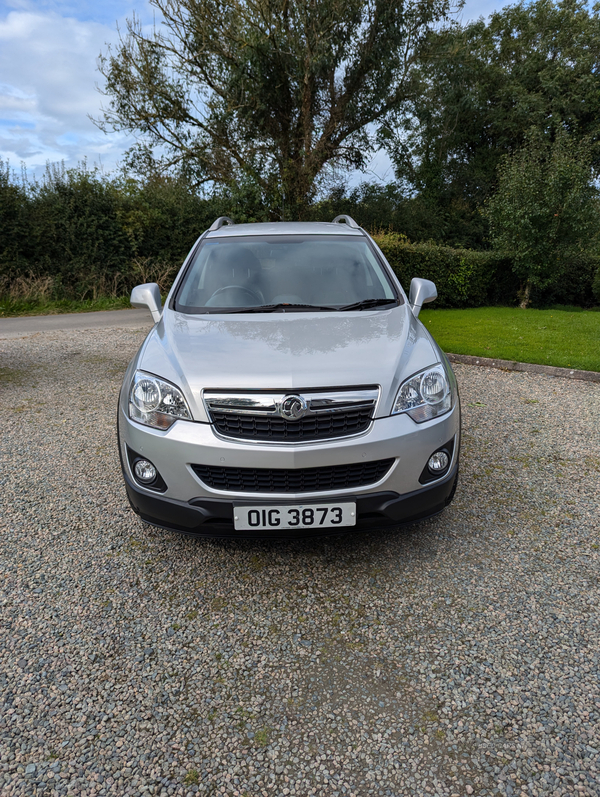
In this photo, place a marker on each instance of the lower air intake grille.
(293, 480)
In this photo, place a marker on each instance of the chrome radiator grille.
(292, 417)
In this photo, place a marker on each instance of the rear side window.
(320, 270)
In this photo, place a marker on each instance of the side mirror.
(421, 292)
(148, 296)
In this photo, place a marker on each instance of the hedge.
(467, 278)
(87, 234)
(463, 277)
(80, 234)
(596, 285)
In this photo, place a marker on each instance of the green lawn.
(14, 307)
(569, 338)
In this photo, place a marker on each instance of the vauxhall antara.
(287, 388)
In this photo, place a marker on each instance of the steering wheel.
(254, 294)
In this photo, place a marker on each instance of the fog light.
(146, 472)
(438, 462)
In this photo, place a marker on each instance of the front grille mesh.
(313, 427)
(293, 480)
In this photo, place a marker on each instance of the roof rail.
(347, 219)
(220, 222)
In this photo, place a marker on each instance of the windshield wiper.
(291, 307)
(365, 304)
(282, 306)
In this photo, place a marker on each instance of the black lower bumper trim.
(213, 517)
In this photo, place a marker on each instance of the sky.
(49, 81)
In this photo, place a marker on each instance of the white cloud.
(48, 82)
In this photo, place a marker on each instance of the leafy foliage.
(92, 234)
(386, 207)
(80, 235)
(468, 278)
(481, 89)
(463, 278)
(596, 284)
(546, 211)
(264, 93)
(12, 216)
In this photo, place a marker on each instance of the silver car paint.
(290, 351)
(185, 444)
(287, 351)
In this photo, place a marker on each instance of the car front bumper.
(188, 505)
(214, 518)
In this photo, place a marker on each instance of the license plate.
(299, 516)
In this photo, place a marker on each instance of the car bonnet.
(287, 351)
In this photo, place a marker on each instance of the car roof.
(285, 228)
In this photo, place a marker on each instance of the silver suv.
(287, 388)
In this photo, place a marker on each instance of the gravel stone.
(457, 656)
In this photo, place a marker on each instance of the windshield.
(284, 272)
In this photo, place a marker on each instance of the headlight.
(156, 403)
(425, 395)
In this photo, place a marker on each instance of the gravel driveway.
(458, 656)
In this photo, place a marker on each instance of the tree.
(545, 211)
(482, 88)
(269, 92)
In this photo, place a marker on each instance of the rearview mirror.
(148, 296)
(421, 292)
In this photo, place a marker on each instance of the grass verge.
(16, 307)
(566, 337)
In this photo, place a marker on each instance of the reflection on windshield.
(305, 271)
